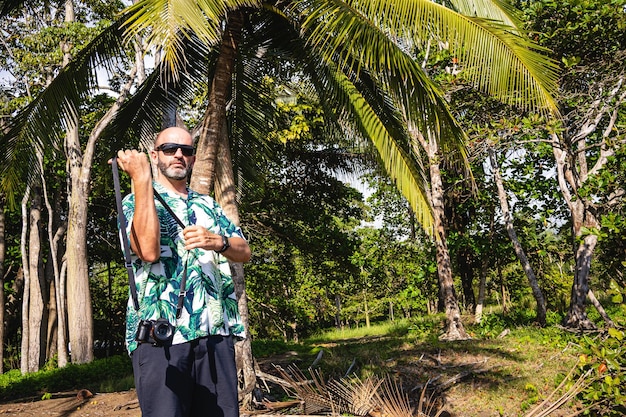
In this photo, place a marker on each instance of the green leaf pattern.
(210, 304)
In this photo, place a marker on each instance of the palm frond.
(355, 44)
(400, 163)
(41, 125)
(168, 24)
(489, 9)
(363, 110)
(143, 114)
(500, 63)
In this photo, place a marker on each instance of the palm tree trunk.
(214, 169)
(215, 115)
(517, 247)
(226, 196)
(454, 329)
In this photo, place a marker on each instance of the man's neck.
(178, 187)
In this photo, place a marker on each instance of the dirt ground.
(118, 404)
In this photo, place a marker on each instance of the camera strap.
(126, 243)
(183, 279)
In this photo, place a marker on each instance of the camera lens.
(162, 330)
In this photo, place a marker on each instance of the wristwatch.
(225, 245)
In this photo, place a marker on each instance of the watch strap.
(225, 245)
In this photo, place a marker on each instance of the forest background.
(539, 228)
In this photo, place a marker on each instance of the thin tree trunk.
(37, 316)
(2, 258)
(601, 310)
(56, 307)
(366, 310)
(338, 323)
(478, 315)
(26, 286)
(517, 247)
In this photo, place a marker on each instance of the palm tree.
(359, 56)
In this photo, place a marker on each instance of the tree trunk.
(454, 329)
(2, 258)
(37, 316)
(79, 311)
(517, 247)
(213, 168)
(573, 171)
(366, 310)
(215, 115)
(466, 271)
(26, 287)
(576, 317)
(226, 195)
(338, 323)
(478, 314)
(56, 340)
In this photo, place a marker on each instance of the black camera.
(158, 332)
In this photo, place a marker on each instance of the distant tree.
(587, 142)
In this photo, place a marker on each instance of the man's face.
(174, 156)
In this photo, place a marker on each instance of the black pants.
(193, 379)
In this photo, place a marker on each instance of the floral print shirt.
(210, 304)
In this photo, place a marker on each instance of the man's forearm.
(145, 231)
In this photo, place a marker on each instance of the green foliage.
(268, 347)
(492, 324)
(579, 31)
(102, 375)
(605, 358)
(304, 222)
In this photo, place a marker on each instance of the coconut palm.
(359, 56)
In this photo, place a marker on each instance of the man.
(191, 372)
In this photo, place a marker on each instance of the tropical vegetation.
(488, 141)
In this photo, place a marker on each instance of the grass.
(496, 376)
(103, 375)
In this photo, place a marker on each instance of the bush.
(605, 358)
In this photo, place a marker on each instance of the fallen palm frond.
(548, 405)
(374, 396)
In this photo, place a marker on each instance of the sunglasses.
(170, 149)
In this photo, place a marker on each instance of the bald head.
(173, 135)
